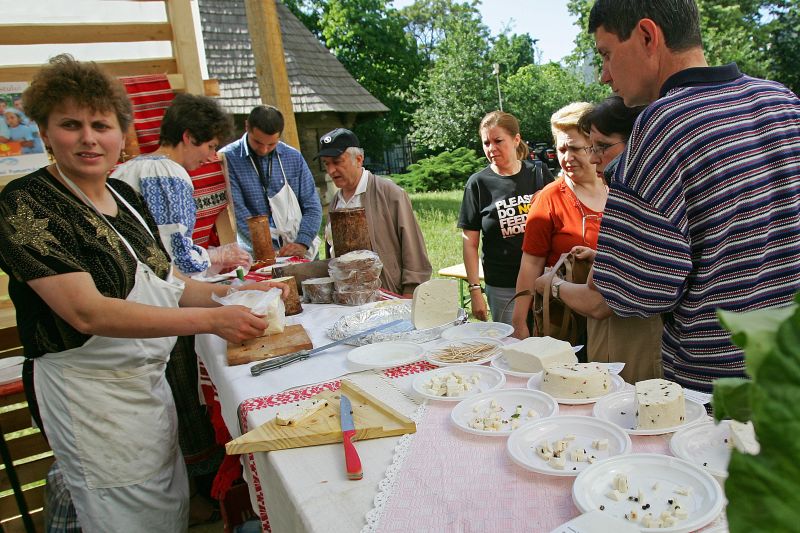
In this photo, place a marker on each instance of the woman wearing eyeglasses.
(633, 341)
(566, 213)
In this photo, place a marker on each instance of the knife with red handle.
(351, 458)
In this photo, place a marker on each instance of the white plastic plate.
(501, 364)
(523, 442)
(704, 445)
(617, 384)
(385, 354)
(494, 330)
(618, 408)
(430, 355)
(490, 379)
(658, 477)
(508, 400)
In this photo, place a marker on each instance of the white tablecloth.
(235, 383)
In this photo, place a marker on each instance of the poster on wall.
(21, 147)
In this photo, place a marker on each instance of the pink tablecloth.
(456, 481)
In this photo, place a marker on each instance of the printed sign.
(21, 147)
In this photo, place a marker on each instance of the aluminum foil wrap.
(381, 314)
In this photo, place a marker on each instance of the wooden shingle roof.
(317, 80)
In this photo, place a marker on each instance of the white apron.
(286, 215)
(110, 418)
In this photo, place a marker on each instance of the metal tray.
(375, 316)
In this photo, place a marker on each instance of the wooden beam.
(92, 32)
(273, 81)
(157, 65)
(210, 87)
(184, 44)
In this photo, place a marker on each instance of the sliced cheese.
(534, 354)
(292, 414)
(435, 303)
(743, 436)
(659, 404)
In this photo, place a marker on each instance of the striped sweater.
(704, 214)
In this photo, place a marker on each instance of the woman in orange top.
(566, 213)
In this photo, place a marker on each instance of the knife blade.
(279, 362)
(351, 458)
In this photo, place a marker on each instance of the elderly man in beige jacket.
(393, 229)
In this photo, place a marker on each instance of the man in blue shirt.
(269, 177)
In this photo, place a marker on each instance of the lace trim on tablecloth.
(387, 484)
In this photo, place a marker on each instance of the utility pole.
(496, 72)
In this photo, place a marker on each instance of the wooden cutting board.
(373, 419)
(292, 339)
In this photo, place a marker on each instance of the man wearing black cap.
(393, 230)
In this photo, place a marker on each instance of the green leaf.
(754, 332)
(732, 399)
(763, 490)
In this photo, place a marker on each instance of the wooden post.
(184, 44)
(273, 81)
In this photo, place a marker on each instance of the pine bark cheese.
(435, 303)
(659, 404)
(534, 354)
(576, 380)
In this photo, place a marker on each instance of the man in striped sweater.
(704, 209)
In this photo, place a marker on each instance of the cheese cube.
(744, 437)
(535, 353)
(435, 303)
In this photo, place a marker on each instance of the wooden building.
(324, 95)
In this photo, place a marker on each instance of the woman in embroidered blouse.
(97, 308)
(191, 130)
(565, 213)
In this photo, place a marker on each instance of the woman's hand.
(267, 285)
(583, 252)
(541, 283)
(521, 330)
(236, 324)
(478, 304)
(227, 257)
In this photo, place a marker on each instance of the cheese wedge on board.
(294, 413)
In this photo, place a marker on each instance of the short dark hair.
(83, 83)
(679, 20)
(611, 116)
(201, 116)
(267, 118)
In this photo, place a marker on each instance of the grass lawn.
(437, 213)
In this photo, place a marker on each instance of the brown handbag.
(551, 317)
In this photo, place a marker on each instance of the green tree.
(535, 92)
(426, 21)
(785, 45)
(457, 89)
(368, 37)
(512, 52)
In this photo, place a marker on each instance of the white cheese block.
(534, 354)
(659, 404)
(292, 414)
(435, 303)
(576, 380)
(743, 436)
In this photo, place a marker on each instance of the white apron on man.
(109, 415)
(287, 215)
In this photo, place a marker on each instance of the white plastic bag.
(267, 303)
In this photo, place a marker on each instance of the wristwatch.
(554, 287)
(473, 286)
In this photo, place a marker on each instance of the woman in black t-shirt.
(494, 208)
